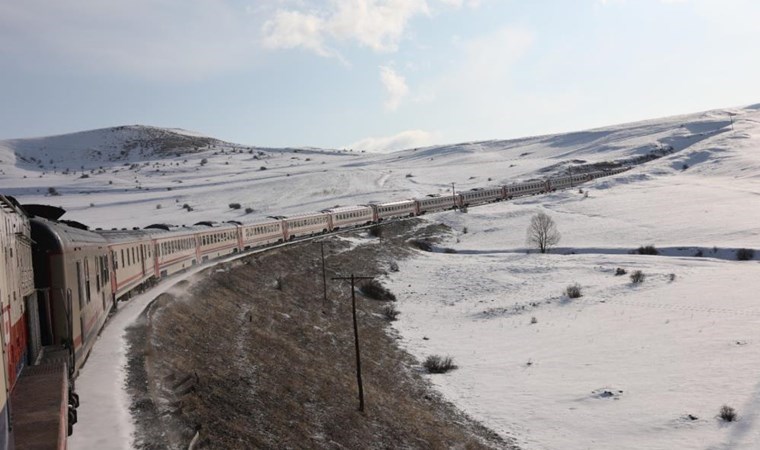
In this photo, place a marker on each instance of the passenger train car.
(59, 281)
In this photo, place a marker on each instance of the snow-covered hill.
(156, 172)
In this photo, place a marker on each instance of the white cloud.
(170, 39)
(376, 24)
(460, 3)
(395, 87)
(289, 29)
(483, 67)
(404, 140)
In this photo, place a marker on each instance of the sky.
(374, 75)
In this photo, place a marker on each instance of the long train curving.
(59, 280)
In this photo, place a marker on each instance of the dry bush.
(375, 290)
(390, 312)
(637, 277)
(745, 254)
(620, 271)
(573, 291)
(728, 414)
(439, 364)
(419, 244)
(647, 250)
(376, 231)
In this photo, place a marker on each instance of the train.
(60, 280)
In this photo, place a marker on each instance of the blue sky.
(370, 74)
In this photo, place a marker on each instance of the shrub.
(573, 291)
(533, 320)
(421, 245)
(439, 364)
(248, 210)
(672, 277)
(376, 291)
(464, 230)
(409, 175)
(53, 191)
(158, 206)
(390, 312)
(204, 161)
(745, 254)
(620, 271)
(235, 206)
(637, 277)
(393, 267)
(263, 168)
(376, 231)
(647, 250)
(727, 414)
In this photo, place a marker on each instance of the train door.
(142, 258)
(81, 289)
(34, 341)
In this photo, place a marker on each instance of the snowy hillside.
(179, 177)
(625, 366)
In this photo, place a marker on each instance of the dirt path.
(248, 355)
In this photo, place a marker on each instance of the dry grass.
(251, 366)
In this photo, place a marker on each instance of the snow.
(621, 367)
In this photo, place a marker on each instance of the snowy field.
(621, 367)
(624, 366)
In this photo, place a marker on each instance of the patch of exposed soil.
(249, 355)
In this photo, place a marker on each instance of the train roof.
(396, 202)
(305, 215)
(268, 222)
(62, 236)
(120, 236)
(340, 209)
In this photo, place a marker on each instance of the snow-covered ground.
(665, 348)
(622, 367)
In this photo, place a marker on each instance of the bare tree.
(542, 232)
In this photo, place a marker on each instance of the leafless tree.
(542, 232)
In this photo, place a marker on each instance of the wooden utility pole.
(356, 335)
(324, 271)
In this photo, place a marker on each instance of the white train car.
(350, 216)
(132, 261)
(394, 210)
(259, 234)
(561, 183)
(306, 225)
(72, 276)
(481, 196)
(527, 188)
(216, 241)
(174, 248)
(434, 203)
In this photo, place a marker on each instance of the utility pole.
(356, 336)
(453, 194)
(324, 271)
